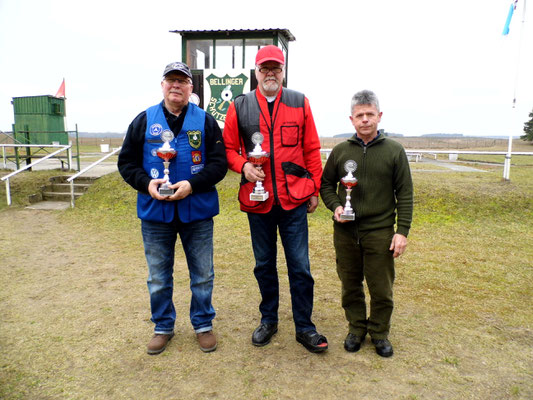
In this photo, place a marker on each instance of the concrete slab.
(49, 205)
(450, 165)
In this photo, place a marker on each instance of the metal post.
(69, 155)
(78, 148)
(8, 193)
(507, 163)
(72, 193)
(28, 150)
(17, 160)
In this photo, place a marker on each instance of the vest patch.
(195, 139)
(196, 157)
(196, 168)
(156, 129)
(154, 173)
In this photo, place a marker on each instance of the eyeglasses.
(266, 70)
(179, 81)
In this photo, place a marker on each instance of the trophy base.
(166, 191)
(348, 217)
(258, 196)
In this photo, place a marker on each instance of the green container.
(40, 120)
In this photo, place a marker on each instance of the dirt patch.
(75, 323)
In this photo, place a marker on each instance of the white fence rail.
(6, 178)
(417, 154)
(84, 170)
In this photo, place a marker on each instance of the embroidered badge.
(156, 129)
(196, 157)
(196, 168)
(154, 173)
(195, 139)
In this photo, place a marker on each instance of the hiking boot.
(383, 347)
(263, 333)
(353, 343)
(207, 341)
(158, 343)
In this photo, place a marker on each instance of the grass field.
(75, 315)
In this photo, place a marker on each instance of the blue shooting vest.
(189, 160)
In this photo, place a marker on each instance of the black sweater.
(384, 184)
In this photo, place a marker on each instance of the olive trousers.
(365, 256)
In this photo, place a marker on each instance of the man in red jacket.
(281, 122)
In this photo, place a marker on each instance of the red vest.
(294, 169)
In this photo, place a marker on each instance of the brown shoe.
(158, 343)
(207, 341)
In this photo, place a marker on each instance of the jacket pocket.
(244, 194)
(298, 181)
(289, 135)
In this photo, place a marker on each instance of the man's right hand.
(338, 211)
(251, 173)
(153, 189)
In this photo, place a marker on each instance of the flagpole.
(507, 163)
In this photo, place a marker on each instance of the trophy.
(349, 181)
(258, 157)
(167, 153)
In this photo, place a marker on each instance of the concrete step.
(59, 196)
(65, 187)
(80, 180)
(59, 190)
(49, 205)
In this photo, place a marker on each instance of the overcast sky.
(439, 66)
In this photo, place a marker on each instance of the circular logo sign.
(156, 129)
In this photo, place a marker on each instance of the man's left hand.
(312, 204)
(183, 189)
(398, 244)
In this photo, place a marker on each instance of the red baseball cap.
(269, 53)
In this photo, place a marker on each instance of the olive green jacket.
(384, 189)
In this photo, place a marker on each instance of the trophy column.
(349, 182)
(166, 153)
(258, 157)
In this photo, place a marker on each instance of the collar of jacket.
(261, 97)
(359, 141)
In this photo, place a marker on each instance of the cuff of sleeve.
(402, 230)
(193, 183)
(146, 183)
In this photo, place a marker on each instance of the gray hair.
(365, 97)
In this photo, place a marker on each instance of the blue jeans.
(294, 237)
(159, 247)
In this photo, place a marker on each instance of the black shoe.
(263, 334)
(313, 341)
(353, 343)
(383, 347)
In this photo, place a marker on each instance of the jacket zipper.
(271, 140)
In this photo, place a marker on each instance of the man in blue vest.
(199, 164)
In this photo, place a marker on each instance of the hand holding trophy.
(166, 153)
(258, 157)
(349, 181)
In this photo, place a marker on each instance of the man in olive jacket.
(382, 200)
